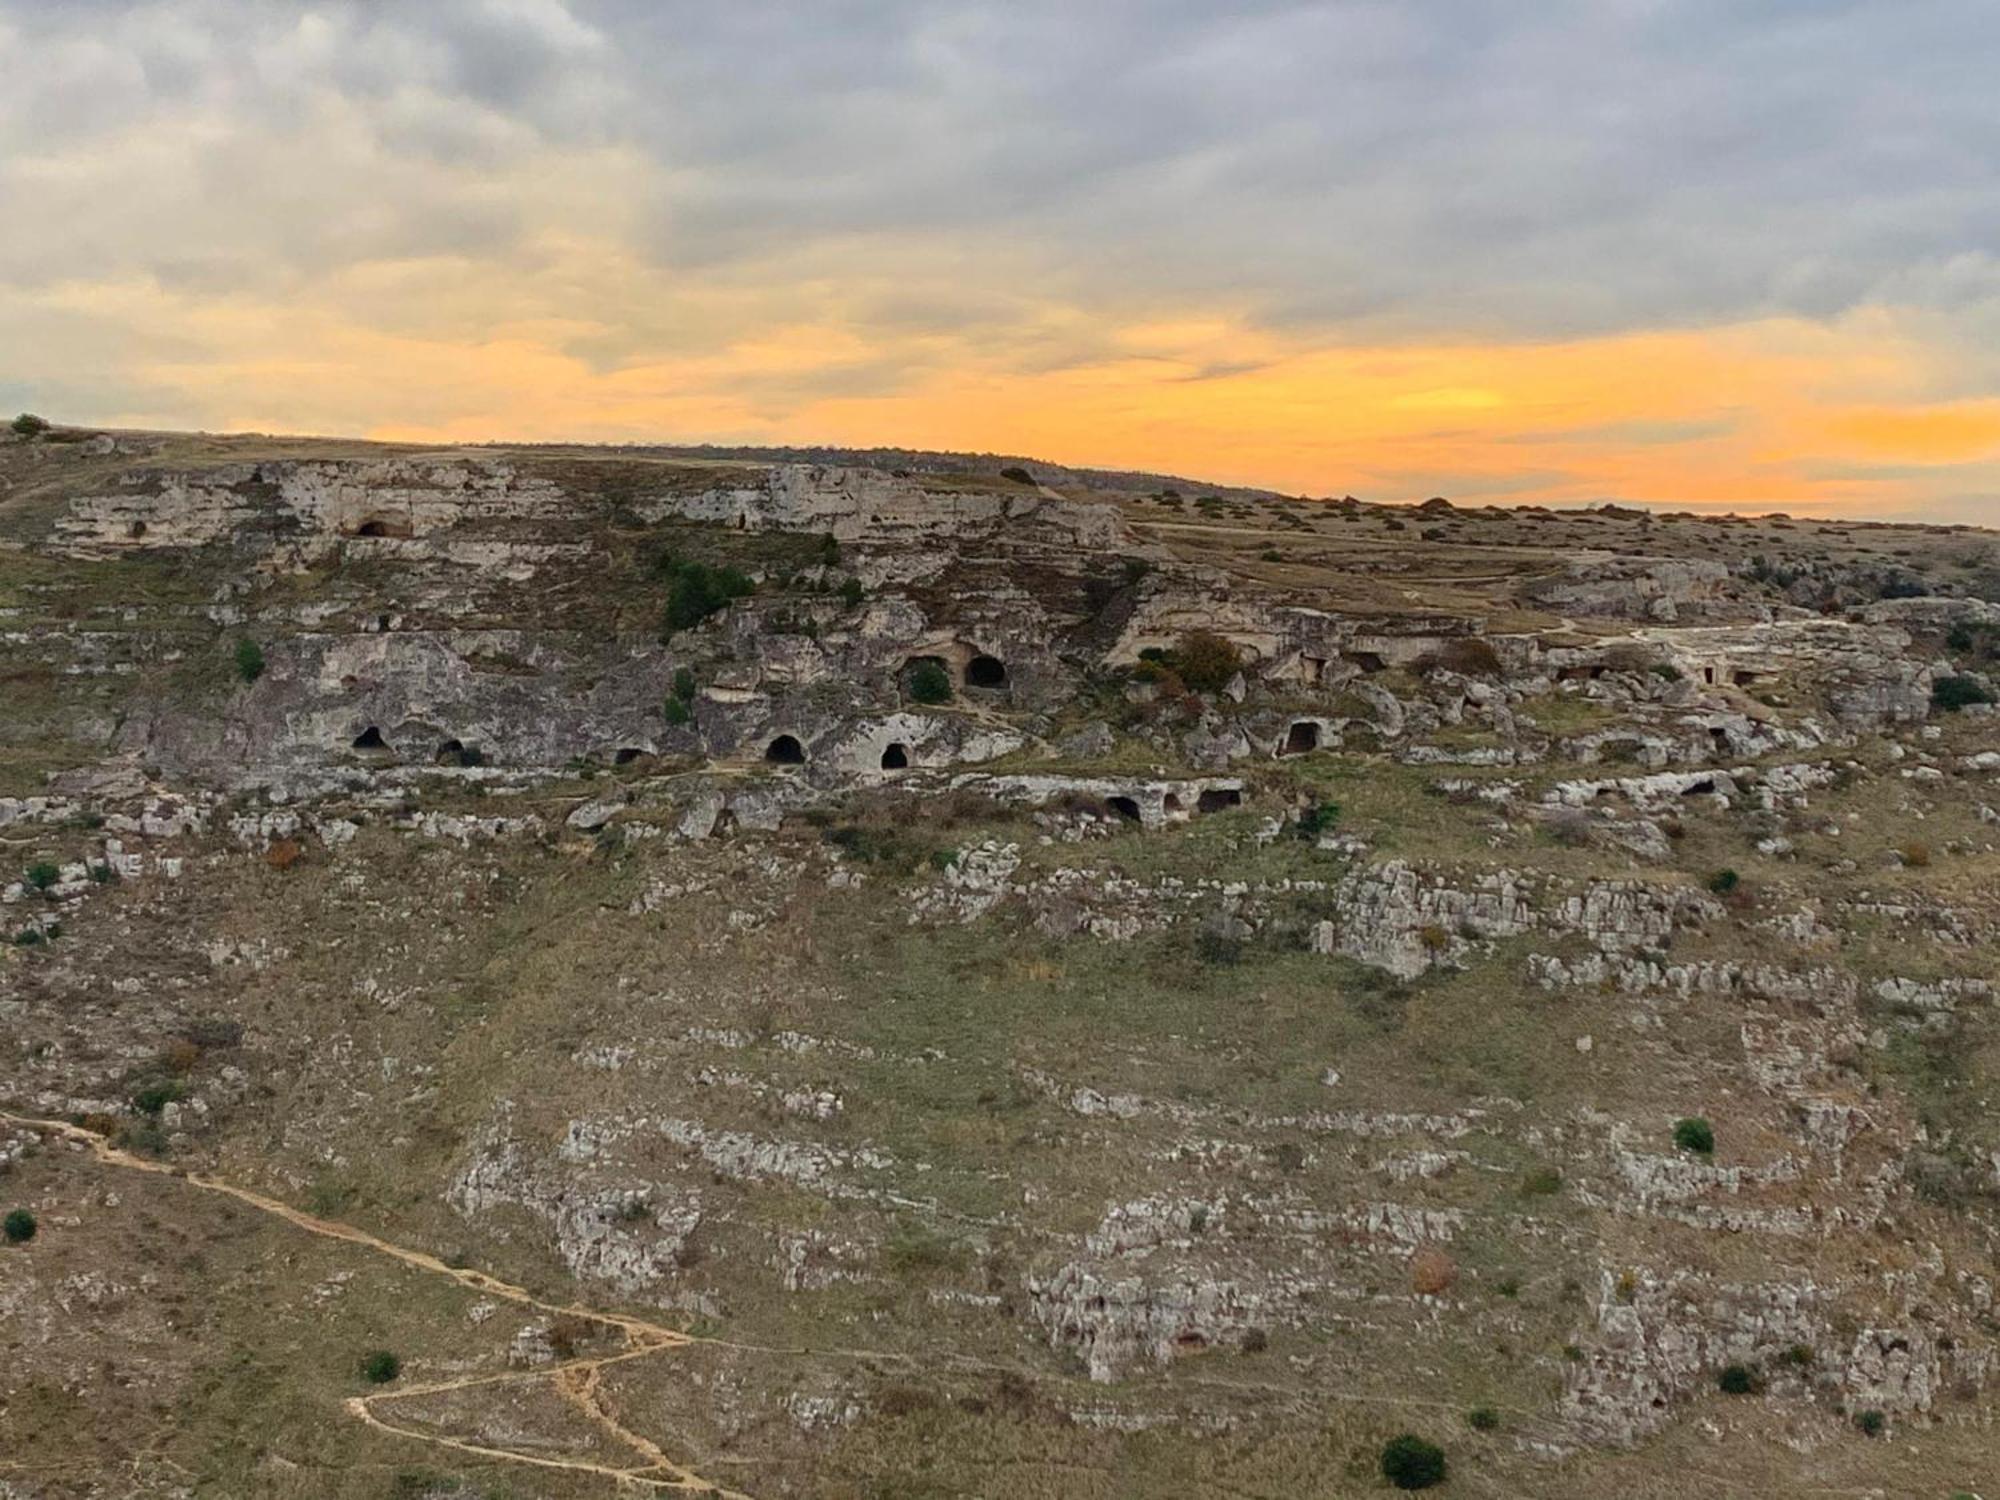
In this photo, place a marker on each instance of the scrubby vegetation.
(1696, 1135)
(696, 590)
(1411, 1463)
(930, 682)
(249, 660)
(19, 1226)
(1959, 691)
(380, 1366)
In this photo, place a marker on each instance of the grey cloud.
(1366, 166)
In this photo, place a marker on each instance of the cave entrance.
(370, 739)
(626, 755)
(785, 750)
(136, 531)
(1218, 799)
(384, 526)
(986, 672)
(1368, 661)
(1302, 738)
(896, 757)
(1123, 807)
(458, 753)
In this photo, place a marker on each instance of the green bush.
(1950, 694)
(1871, 1422)
(684, 684)
(1722, 882)
(1206, 661)
(851, 591)
(1410, 1463)
(379, 1367)
(677, 711)
(1542, 1182)
(1483, 1419)
(151, 1098)
(1736, 1380)
(1695, 1134)
(18, 1226)
(1317, 819)
(695, 591)
(249, 660)
(29, 425)
(43, 874)
(930, 682)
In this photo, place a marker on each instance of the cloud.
(880, 201)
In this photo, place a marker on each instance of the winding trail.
(578, 1382)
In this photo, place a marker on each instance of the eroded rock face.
(998, 1013)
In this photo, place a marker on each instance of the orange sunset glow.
(662, 225)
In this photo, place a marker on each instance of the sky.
(1705, 254)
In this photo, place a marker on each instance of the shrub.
(930, 682)
(1206, 661)
(151, 1098)
(1410, 1463)
(1255, 1340)
(684, 684)
(1432, 1272)
(1914, 854)
(1695, 1134)
(43, 874)
(29, 425)
(379, 1367)
(1950, 694)
(1871, 1422)
(1722, 882)
(1316, 819)
(677, 712)
(1482, 1419)
(1736, 1380)
(18, 1226)
(249, 660)
(851, 591)
(695, 591)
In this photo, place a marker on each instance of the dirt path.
(577, 1382)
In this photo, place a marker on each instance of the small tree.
(930, 682)
(677, 711)
(684, 684)
(1736, 1380)
(43, 875)
(19, 1226)
(28, 425)
(1950, 694)
(1695, 1134)
(1206, 661)
(379, 1367)
(1722, 882)
(1410, 1463)
(249, 660)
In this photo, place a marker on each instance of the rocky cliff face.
(1023, 975)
